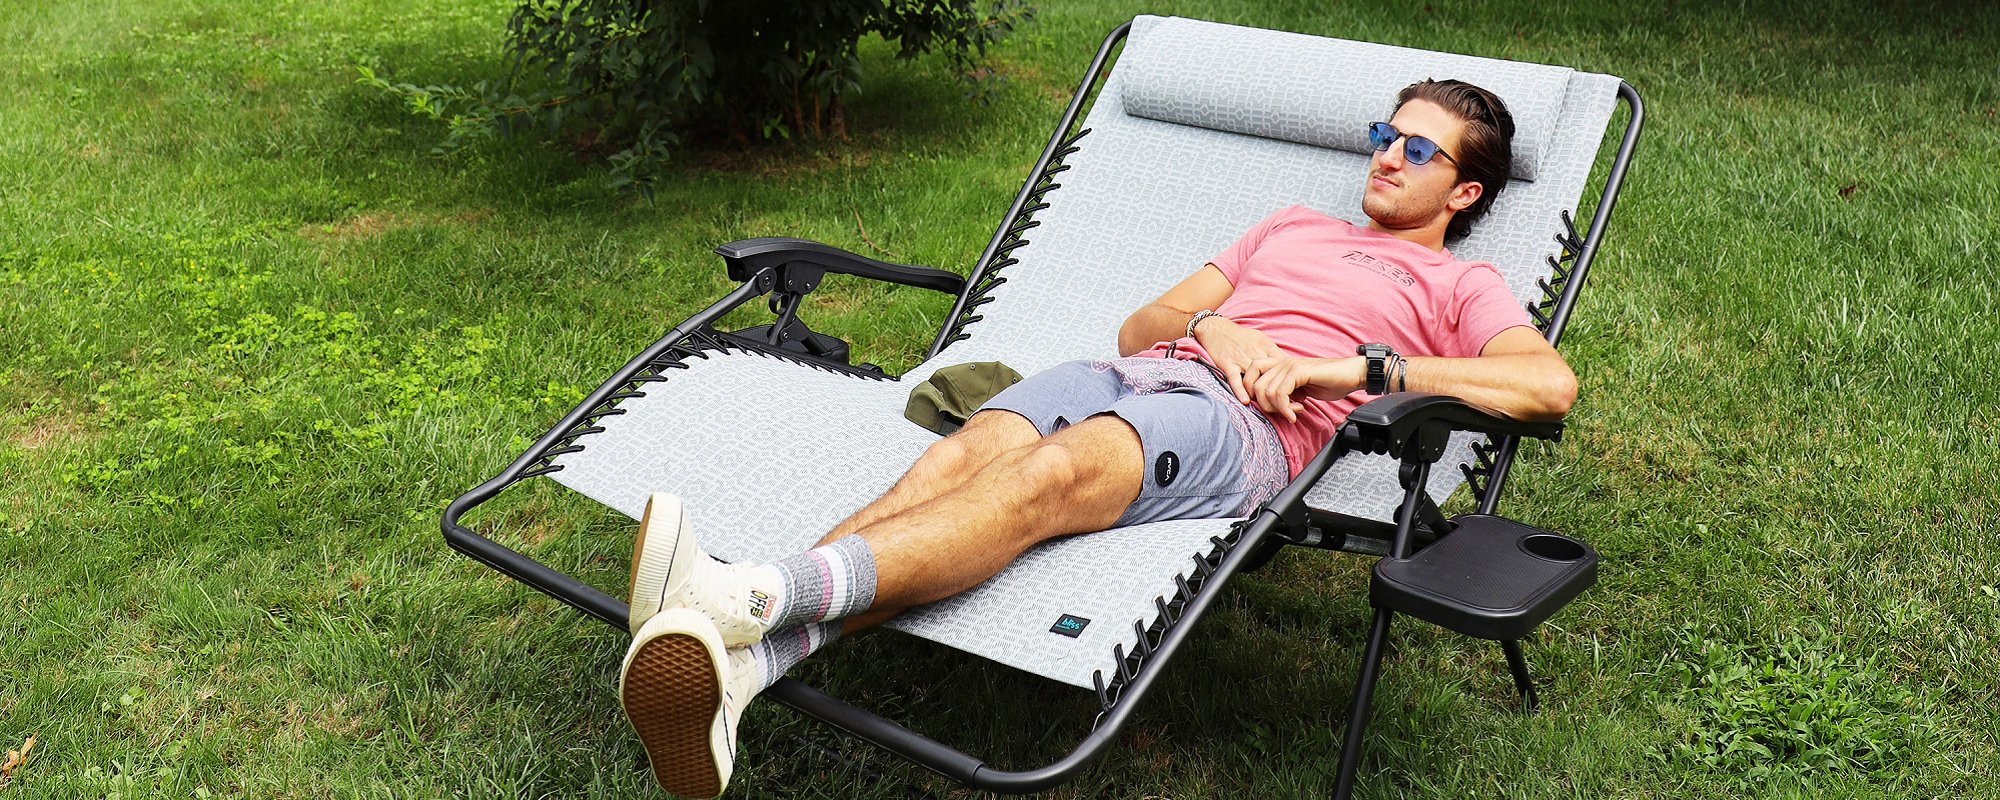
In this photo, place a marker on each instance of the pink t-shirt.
(1320, 286)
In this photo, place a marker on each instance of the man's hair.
(1485, 153)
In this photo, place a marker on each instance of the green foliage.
(646, 75)
(1792, 709)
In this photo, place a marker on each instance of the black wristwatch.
(1378, 365)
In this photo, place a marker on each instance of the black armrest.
(749, 256)
(1395, 422)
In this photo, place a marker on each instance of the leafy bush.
(644, 75)
(1792, 708)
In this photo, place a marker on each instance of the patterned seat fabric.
(1147, 199)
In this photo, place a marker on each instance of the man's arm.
(1166, 319)
(1231, 347)
(1517, 375)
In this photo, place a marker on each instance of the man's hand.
(1233, 348)
(1274, 382)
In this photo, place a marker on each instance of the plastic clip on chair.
(1250, 121)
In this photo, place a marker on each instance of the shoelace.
(733, 602)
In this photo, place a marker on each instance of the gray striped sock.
(780, 650)
(825, 583)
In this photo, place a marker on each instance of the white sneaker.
(669, 570)
(684, 693)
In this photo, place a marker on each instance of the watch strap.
(1378, 355)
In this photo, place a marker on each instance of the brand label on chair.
(1070, 626)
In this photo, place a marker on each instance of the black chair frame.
(1409, 427)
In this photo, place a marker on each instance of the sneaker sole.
(672, 693)
(649, 576)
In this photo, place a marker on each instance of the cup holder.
(1553, 548)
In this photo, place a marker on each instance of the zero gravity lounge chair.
(1202, 130)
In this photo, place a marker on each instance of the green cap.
(943, 403)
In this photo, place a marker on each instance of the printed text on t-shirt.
(1390, 271)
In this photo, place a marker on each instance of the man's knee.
(947, 456)
(1051, 467)
(1075, 485)
(1100, 452)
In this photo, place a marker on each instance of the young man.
(1232, 381)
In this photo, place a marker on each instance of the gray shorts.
(1207, 455)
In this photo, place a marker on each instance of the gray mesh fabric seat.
(1200, 131)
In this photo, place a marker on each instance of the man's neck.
(1431, 235)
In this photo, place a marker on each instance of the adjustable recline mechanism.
(788, 285)
(788, 269)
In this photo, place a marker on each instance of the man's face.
(1402, 195)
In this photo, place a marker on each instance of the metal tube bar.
(1518, 664)
(582, 596)
(1503, 461)
(527, 570)
(1598, 220)
(1357, 714)
(1414, 475)
(875, 730)
(1417, 475)
(1293, 496)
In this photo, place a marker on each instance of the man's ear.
(1464, 195)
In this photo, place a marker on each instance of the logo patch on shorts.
(1069, 625)
(1166, 468)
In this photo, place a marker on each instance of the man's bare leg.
(680, 684)
(947, 464)
(1079, 480)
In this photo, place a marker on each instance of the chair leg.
(1518, 664)
(1357, 715)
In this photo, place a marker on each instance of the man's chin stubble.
(1387, 218)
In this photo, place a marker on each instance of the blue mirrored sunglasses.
(1416, 149)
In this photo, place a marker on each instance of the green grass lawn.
(253, 337)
